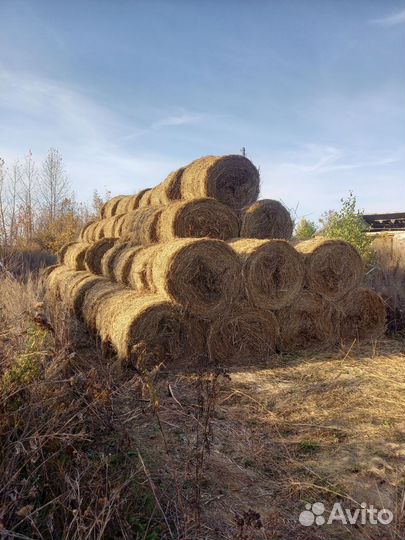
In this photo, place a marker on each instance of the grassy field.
(91, 449)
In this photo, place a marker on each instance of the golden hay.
(266, 219)
(109, 259)
(95, 252)
(362, 315)
(89, 233)
(149, 330)
(134, 200)
(75, 286)
(94, 298)
(232, 180)
(167, 191)
(52, 278)
(140, 273)
(142, 225)
(144, 200)
(197, 219)
(83, 231)
(72, 255)
(332, 267)
(201, 274)
(248, 336)
(122, 206)
(123, 264)
(110, 227)
(273, 272)
(311, 321)
(110, 207)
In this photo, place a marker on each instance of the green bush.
(348, 224)
(305, 230)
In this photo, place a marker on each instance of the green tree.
(305, 230)
(348, 224)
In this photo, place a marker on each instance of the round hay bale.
(122, 206)
(332, 267)
(123, 264)
(94, 298)
(134, 200)
(311, 321)
(97, 232)
(144, 200)
(52, 281)
(109, 259)
(77, 286)
(362, 315)
(201, 274)
(74, 254)
(83, 231)
(172, 186)
(140, 275)
(111, 227)
(244, 337)
(89, 234)
(142, 225)
(273, 272)
(109, 208)
(198, 218)
(232, 180)
(95, 252)
(148, 329)
(266, 219)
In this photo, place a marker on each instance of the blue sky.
(130, 90)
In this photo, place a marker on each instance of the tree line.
(38, 207)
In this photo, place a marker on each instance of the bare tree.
(29, 179)
(3, 219)
(54, 186)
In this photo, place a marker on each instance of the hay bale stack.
(83, 231)
(95, 253)
(109, 259)
(232, 180)
(272, 271)
(332, 267)
(148, 329)
(247, 336)
(94, 298)
(266, 219)
(73, 254)
(362, 315)
(169, 190)
(134, 200)
(311, 321)
(201, 274)
(144, 200)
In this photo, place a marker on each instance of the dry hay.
(362, 315)
(133, 201)
(248, 336)
(167, 191)
(142, 225)
(52, 278)
(266, 219)
(83, 231)
(89, 233)
(273, 272)
(74, 287)
(197, 219)
(148, 329)
(72, 255)
(123, 264)
(110, 227)
(140, 275)
(232, 180)
(201, 274)
(122, 206)
(109, 259)
(144, 199)
(311, 321)
(332, 267)
(109, 208)
(95, 252)
(94, 298)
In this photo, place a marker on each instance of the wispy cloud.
(390, 20)
(178, 120)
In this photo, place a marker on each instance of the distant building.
(385, 222)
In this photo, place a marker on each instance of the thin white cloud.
(178, 120)
(390, 20)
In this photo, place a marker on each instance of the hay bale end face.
(250, 336)
(109, 208)
(199, 218)
(142, 225)
(123, 264)
(233, 180)
(310, 322)
(272, 271)
(362, 315)
(332, 267)
(109, 260)
(201, 274)
(95, 253)
(266, 219)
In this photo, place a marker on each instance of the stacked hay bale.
(197, 268)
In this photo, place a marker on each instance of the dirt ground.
(239, 454)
